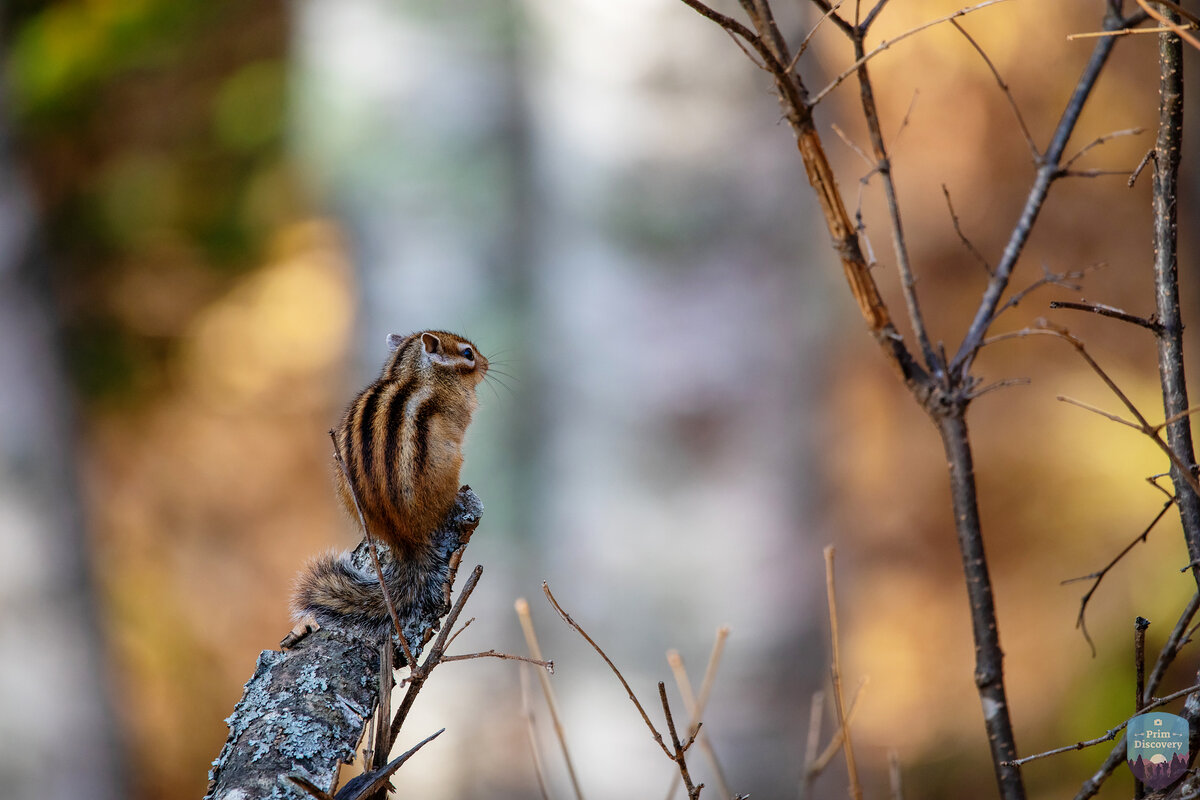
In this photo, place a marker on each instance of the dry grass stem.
(812, 743)
(835, 743)
(1180, 30)
(531, 731)
(894, 779)
(535, 649)
(836, 674)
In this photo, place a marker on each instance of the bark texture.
(304, 710)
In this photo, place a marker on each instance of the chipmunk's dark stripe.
(397, 360)
(364, 468)
(392, 448)
(425, 412)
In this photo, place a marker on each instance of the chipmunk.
(400, 443)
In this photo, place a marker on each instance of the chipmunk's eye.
(467, 354)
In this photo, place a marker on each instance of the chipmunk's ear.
(394, 340)
(431, 343)
(434, 351)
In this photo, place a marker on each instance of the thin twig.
(537, 662)
(696, 706)
(1012, 102)
(458, 632)
(573, 625)
(962, 236)
(1048, 279)
(419, 673)
(1099, 140)
(1047, 172)
(1166, 656)
(866, 159)
(1171, 25)
(886, 43)
(1146, 159)
(975, 394)
(1113, 34)
(1098, 411)
(842, 24)
(1107, 737)
(535, 649)
(1151, 431)
(680, 748)
(899, 243)
(835, 669)
(804, 43)
(1110, 311)
(1139, 666)
(1098, 576)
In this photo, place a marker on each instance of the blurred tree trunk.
(63, 739)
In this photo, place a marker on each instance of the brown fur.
(402, 437)
(401, 440)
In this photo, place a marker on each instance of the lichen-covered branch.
(304, 710)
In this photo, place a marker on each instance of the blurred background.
(212, 213)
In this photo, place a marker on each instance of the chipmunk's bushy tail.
(341, 595)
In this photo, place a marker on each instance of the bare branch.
(1046, 174)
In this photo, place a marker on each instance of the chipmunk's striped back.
(401, 438)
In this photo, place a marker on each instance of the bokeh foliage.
(153, 130)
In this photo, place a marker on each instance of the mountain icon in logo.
(1156, 747)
